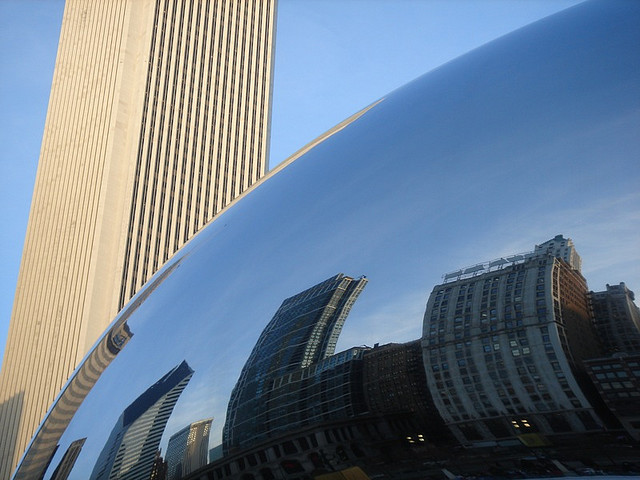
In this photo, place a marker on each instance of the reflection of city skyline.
(132, 446)
(367, 402)
(407, 394)
(303, 331)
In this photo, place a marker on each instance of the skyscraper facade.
(503, 347)
(158, 117)
(188, 449)
(302, 332)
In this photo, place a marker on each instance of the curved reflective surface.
(257, 340)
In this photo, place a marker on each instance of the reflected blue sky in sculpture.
(332, 58)
(455, 168)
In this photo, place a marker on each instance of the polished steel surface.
(450, 170)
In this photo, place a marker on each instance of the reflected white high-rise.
(130, 451)
(503, 345)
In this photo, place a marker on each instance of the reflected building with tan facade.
(188, 449)
(158, 118)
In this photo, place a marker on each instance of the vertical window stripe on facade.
(502, 350)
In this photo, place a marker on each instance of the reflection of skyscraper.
(303, 331)
(69, 458)
(329, 390)
(395, 385)
(617, 374)
(158, 117)
(188, 449)
(130, 451)
(617, 319)
(504, 344)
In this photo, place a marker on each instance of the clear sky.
(333, 57)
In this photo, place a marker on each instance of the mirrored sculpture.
(326, 321)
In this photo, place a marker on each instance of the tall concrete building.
(158, 117)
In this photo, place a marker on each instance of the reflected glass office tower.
(188, 449)
(158, 117)
(63, 470)
(504, 343)
(303, 331)
(131, 449)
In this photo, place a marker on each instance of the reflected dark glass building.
(617, 319)
(302, 332)
(326, 391)
(503, 347)
(131, 449)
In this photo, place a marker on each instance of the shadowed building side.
(617, 319)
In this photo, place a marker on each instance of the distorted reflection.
(130, 451)
(188, 449)
(63, 470)
(408, 373)
(303, 332)
(45, 443)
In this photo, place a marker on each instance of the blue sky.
(333, 57)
